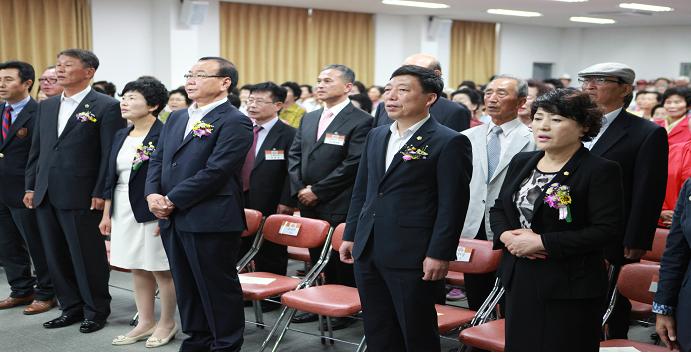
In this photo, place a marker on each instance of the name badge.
(289, 228)
(274, 155)
(334, 139)
(463, 254)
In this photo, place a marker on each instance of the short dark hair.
(541, 87)
(682, 92)
(364, 100)
(663, 78)
(380, 89)
(309, 87)
(108, 87)
(26, 71)
(554, 81)
(572, 104)
(226, 68)
(278, 93)
(658, 106)
(429, 81)
(346, 73)
(472, 94)
(467, 83)
(153, 91)
(88, 58)
(181, 90)
(234, 100)
(246, 87)
(294, 87)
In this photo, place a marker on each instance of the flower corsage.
(143, 154)
(86, 116)
(411, 153)
(557, 196)
(201, 129)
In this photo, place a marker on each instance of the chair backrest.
(659, 242)
(254, 221)
(310, 234)
(635, 281)
(337, 236)
(483, 259)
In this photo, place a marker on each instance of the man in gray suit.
(494, 145)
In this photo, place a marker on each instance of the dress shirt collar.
(267, 126)
(610, 116)
(410, 131)
(195, 110)
(18, 106)
(336, 109)
(506, 127)
(76, 97)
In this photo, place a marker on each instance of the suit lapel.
(23, 117)
(515, 144)
(269, 142)
(337, 122)
(85, 105)
(209, 118)
(152, 135)
(615, 132)
(482, 150)
(424, 133)
(562, 176)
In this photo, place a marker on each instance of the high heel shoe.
(156, 342)
(128, 340)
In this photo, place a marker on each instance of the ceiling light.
(644, 7)
(591, 20)
(514, 13)
(426, 5)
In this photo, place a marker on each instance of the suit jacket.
(137, 180)
(574, 267)
(415, 209)
(72, 168)
(201, 175)
(674, 288)
(269, 180)
(483, 194)
(448, 113)
(330, 169)
(15, 154)
(640, 147)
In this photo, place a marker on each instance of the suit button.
(381, 195)
(56, 149)
(2, 155)
(374, 215)
(175, 164)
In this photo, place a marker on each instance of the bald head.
(424, 60)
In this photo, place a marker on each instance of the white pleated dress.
(132, 244)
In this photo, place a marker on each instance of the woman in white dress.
(133, 230)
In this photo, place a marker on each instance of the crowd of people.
(560, 178)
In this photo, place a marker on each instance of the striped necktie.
(6, 121)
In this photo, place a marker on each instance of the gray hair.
(88, 58)
(521, 84)
(347, 74)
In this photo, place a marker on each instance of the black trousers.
(208, 289)
(77, 261)
(336, 272)
(478, 286)
(397, 305)
(20, 243)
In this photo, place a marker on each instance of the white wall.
(519, 46)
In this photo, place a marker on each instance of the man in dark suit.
(194, 186)
(265, 178)
(448, 113)
(323, 162)
(65, 177)
(640, 148)
(18, 230)
(406, 215)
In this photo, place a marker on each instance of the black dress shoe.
(304, 318)
(62, 321)
(89, 326)
(337, 323)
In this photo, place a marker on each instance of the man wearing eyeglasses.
(640, 148)
(48, 84)
(194, 187)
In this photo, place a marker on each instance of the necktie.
(6, 121)
(249, 161)
(324, 122)
(493, 151)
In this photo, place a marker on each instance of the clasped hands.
(524, 243)
(307, 197)
(160, 206)
(433, 269)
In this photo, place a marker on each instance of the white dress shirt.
(67, 107)
(396, 141)
(18, 107)
(197, 114)
(606, 121)
(261, 135)
(505, 134)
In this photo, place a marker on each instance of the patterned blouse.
(528, 193)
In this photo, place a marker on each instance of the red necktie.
(249, 161)
(6, 121)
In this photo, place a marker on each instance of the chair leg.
(135, 319)
(321, 330)
(283, 332)
(275, 327)
(362, 346)
(258, 315)
(331, 332)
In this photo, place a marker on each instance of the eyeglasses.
(189, 76)
(597, 80)
(48, 80)
(251, 101)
